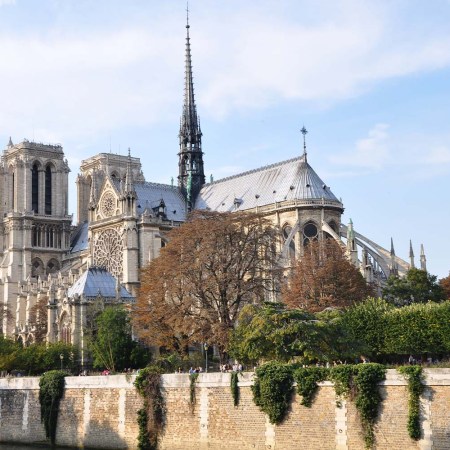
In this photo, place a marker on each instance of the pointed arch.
(35, 187)
(48, 189)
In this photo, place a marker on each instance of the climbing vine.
(151, 415)
(192, 397)
(413, 375)
(307, 379)
(272, 390)
(234, 388)
(51, 390)
(368, 397)
(342, 377)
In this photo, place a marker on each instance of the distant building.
(123, 221)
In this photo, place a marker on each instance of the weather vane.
(304, 131)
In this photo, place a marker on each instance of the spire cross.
(304, 131)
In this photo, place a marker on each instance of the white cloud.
(73, 85)
(371, 152)
(438, 155)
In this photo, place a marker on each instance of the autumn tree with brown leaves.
(324, 277)
(38, 320)
(213, 265)
(445, 285)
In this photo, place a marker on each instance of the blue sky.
(370, 80)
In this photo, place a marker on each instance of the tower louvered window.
(48, 190)
(35, 189)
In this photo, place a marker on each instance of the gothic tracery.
(108, 251)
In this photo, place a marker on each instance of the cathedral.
(123, 222)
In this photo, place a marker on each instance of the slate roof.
(293, 179)
(79, 240)
(149, 195)
(97, 281)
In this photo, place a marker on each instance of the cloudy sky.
(370, 80)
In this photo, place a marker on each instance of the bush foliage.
(373, 328)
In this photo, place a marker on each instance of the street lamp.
(205, 346)
(61, 357)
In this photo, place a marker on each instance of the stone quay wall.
(101, 412)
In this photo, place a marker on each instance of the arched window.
(286, 232)
(310, 232)
(48, 190)
(13, 189)
(37, 268)
(52, 266)
(35, 188)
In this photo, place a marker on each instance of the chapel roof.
(79, 239)
(293, 179)
(97, 281)
(149, 195)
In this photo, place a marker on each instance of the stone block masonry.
(101, 412)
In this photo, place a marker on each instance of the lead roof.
(293, 179)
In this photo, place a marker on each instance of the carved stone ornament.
(108, 251)
(107, 204)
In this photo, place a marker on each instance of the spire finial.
(411, 255)
(304, 131)
(187, 14)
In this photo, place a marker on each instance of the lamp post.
(61, 357)
(205, 346)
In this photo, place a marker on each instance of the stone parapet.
(101, 412)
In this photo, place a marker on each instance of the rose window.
(108, 204)
(108, 251)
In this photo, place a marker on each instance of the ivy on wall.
(51, 391)
(234, 388)
(307, 379)
(272, 389)
(413, 375)
(151, 416)
(192, 397)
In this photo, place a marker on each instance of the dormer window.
(160, 210)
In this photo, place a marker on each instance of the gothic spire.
(411, 256)
(128, 188)
(423, 258)
(191, 175)
(93, 192)
(394, 266)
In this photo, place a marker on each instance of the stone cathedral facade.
(123, 221)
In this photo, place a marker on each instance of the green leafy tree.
(418, 286)
(113, 347)
(272, 332)
(366, 323)
(418, 329)
(8, 353)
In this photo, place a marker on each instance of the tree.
(112, 346)
(5, 313)
(445, 286)
(38, 320)
(418, 286)
(324, 277)
(273, 332)
(213, 265)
